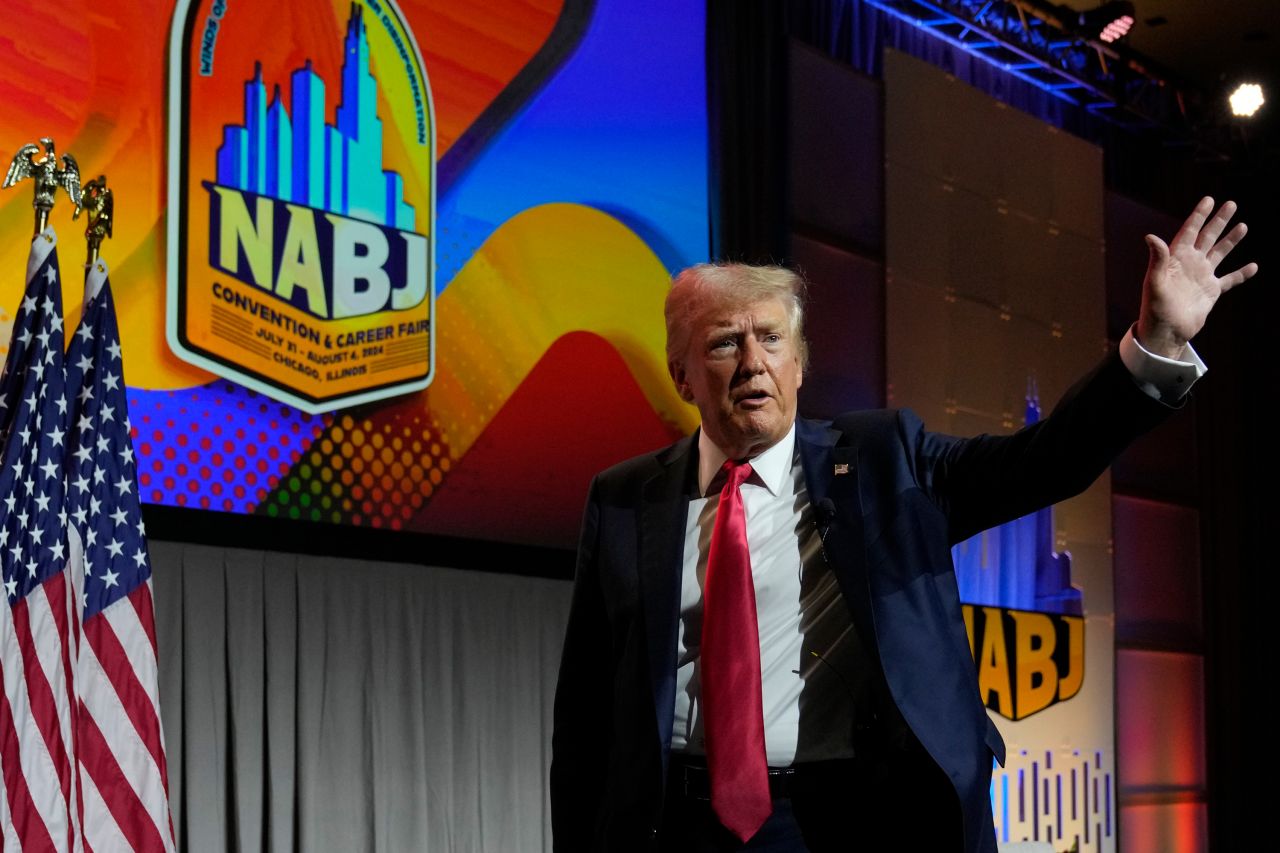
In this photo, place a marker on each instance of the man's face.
(741, 369)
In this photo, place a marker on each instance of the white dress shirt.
(810, 670)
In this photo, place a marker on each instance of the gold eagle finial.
(48, 177)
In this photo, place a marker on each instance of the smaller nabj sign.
(301, 254)
(1026, 660)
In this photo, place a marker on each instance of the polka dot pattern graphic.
(219, 447)
(365, 473)
(223, 447)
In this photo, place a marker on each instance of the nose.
(752, 356)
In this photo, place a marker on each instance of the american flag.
(80, 740)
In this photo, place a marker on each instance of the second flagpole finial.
(99, 205)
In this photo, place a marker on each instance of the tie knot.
(735, 473)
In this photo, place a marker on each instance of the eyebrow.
(726, 327)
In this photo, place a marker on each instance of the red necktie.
(732, 707)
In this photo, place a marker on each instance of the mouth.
(753, 399)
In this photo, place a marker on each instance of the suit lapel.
(831, 475)
(664, 513)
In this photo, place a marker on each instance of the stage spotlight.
(1109, 22)
(1246, 99)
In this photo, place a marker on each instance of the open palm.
(1182, 284)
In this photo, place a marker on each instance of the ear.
(681, 380)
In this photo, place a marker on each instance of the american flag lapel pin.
(842, 468)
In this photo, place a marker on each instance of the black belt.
(689, 777)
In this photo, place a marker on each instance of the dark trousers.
(900, 802)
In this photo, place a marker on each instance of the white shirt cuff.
(1160, 377)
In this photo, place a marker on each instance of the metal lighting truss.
(1037, 42)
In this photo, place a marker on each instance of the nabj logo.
(301, 248)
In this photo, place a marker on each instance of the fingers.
(1224, 246)
(1241, 275)
(1159, 252)
(1190, 229)
(1209, 233)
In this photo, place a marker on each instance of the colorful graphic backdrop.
(572, 179)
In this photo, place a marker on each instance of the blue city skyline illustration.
(1014, 565)
(334, 167)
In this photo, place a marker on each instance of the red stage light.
(1116, 29)
(1108, 22)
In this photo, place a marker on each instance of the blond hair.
(738, 283)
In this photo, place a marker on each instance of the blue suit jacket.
(906, 496)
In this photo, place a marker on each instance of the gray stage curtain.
(321, 704)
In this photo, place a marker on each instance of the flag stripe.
(29, 829)
(146, 666)
(60, 596)
(100, 827)
(45, 607)
(33, 802)
(115, 665)
(8, 837)
(44, 709)
(75, 595)
(127, 624)
(104, 705)
(145, 607)
(115, 789)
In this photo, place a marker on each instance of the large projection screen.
(379, 264)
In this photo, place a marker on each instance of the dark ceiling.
(1211, 44)
(1206, 48)
(1207, 41)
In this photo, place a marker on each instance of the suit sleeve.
(583, 703)
(987, 480)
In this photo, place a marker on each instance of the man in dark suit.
(765, 647)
